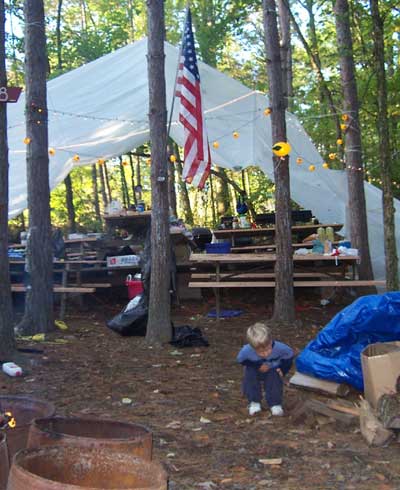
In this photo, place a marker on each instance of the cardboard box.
(380, 367)
(123, 261)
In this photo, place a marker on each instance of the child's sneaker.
(254, 408)
(277, 410)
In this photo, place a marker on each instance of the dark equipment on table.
(201, 236)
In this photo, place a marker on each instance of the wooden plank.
(322, 408)
(320, 385)
(97, 285)
(345, 408)
(260, 275)
(20, 288)
(296, 284)
(267, 257)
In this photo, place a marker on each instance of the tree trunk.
(132, 177)
(222, 194)
(124, 185)
(103, 187)
(184, 196)
(171, 188)
(39, 298)
(353, 149)
(6, 310)
(286, 51)
(392, 269)
(69, 198)
(159, 329)
(106, 178)
(96, 196)
(284, 297)
(58, 35)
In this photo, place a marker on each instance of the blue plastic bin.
(218, 248)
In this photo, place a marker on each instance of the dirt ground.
(191, 400)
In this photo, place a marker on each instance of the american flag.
(197, 156)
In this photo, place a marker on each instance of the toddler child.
(265, 363)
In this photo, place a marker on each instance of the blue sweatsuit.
(281, 358)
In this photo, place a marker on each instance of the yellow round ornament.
(281, 149)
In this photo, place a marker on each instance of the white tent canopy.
(100, 111)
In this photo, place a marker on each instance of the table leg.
(217, 291)
(63, 300)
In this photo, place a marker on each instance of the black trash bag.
(186, 336)
(131, 321)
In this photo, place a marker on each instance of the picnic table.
(310, 271)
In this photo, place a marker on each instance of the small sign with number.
(9, 94)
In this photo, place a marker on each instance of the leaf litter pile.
(190, 398)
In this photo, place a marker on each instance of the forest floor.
(191, 400)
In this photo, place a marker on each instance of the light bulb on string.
(76, 158)
(345, 117)
(332, 156)
(52, 151)
(325, 165)
(27, 140)
(339, 141)
(267, 111)
(299, 160)
(100, 161)
(343, 127)
(311, 168)
(235, 134)
(215, 144)
(172, 158)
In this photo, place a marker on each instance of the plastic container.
(218, 248)
(135, 287)
(12, 369)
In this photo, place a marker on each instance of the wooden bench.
(21, 288)
(63, 290)
(262, 275)
(296, 284)
(325, 281)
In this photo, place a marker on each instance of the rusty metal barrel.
(24, 409)
(3, 461)
(74, 468)
(111, 434)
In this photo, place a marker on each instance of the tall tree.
(69, 199)
(96, 201)
(385, 159)
(184, 195)
(353, 148)
(38, 315)
(286, 51)
(6, 311)
(284, 296)
(159, 329)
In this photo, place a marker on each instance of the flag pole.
(176, 75)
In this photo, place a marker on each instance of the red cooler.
(135, 287)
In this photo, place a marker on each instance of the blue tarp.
(335, 353)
